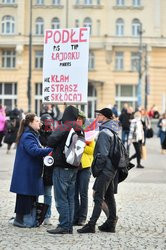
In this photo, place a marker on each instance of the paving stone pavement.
(141, 208)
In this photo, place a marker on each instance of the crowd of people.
(137, 127)
(10, 122)
(37, 137)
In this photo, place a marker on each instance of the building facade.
(127, 47)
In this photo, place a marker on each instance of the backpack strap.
(110, 132)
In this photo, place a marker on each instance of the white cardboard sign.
(65, 66)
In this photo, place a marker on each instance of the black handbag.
(41, 210)
(149, 133)
(123, 172)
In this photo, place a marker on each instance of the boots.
(88, 228)
(108, 227)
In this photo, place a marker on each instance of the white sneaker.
(47, 221)
(11, 220)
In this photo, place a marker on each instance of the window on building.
(77, 23)
(55, 23)
(8, 25)
(88, 2)
(38, 98)
(8, 94)
(39, 26)
(56, 2)
(39, 59)
(8, 58)
(120, 2)
(77, 2)
(126, 94)
(135, 27)
(39, 2)
(136, 3)
(134, 61)
(91, 60)
(119, 61)
(8, 1)
(119, 27)
(98, 2)
(92, 103)
(88, 23)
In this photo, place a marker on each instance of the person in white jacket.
(136, 136)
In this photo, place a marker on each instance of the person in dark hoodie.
(105, 172)
(64, 174)
(45, 131)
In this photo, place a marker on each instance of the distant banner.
(65, 66)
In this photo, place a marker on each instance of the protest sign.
(65, 66)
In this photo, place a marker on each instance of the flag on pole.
(91, 131)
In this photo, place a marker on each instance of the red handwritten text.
(64, 88)
(65, 36)
(67, 97)
(61, 56)
(61, 78)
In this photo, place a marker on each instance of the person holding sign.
(64, 174)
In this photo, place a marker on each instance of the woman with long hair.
(27, 180)
(136, 136)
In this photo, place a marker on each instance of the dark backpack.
(74, 147)
(120, 158)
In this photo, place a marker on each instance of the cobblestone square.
(141, 205)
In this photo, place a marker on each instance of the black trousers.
(24, 203)
(1, 137)
(137, 146)
(104, 191)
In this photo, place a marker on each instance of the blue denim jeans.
(30, 219)
(64, 190)
(125, 138)
(162, 138)
(48, 199)
(81, 194)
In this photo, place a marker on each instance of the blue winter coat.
(28, 165)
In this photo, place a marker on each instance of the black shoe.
(88, 228)
(60, 230)
(108, 227)
(81, 223)
(140, 166)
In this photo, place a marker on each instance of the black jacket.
(104, 149)
(124, 119)
(48, 171)
(58, 137)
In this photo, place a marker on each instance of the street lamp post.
(139, 87)
(147, 90)
(67, 13)
(30, 61)
(67, 25)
